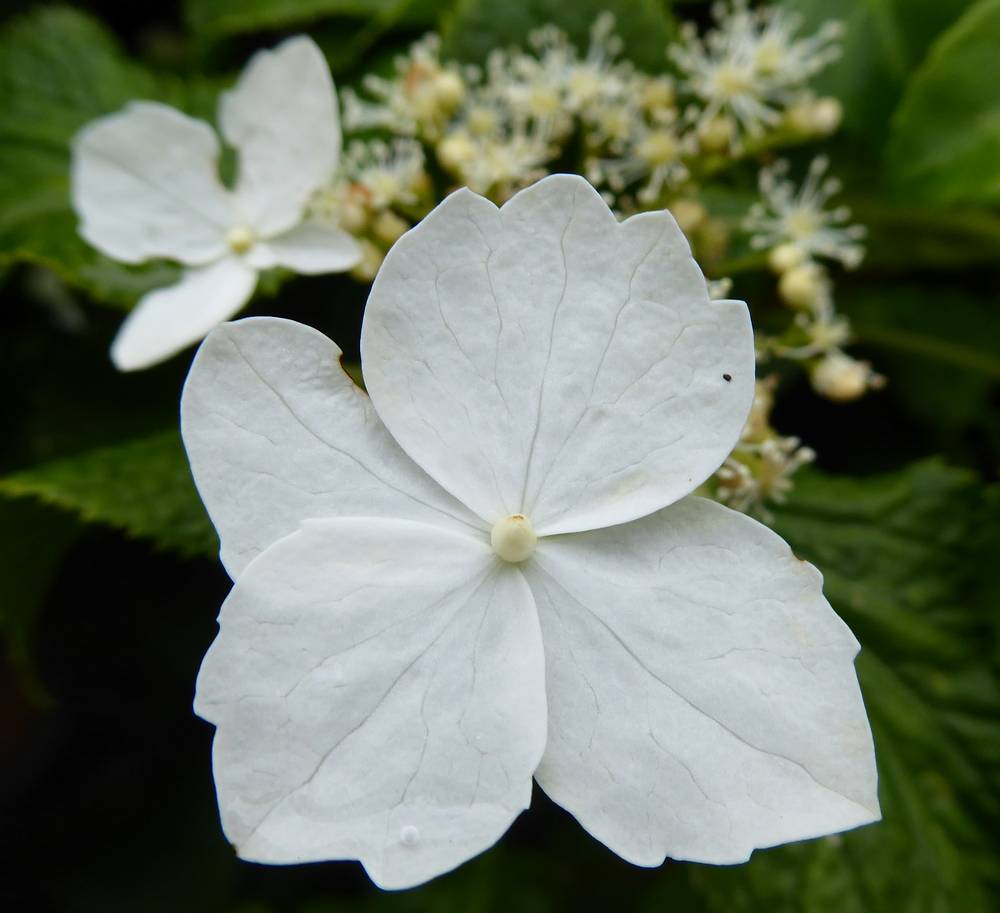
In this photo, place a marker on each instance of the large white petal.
(544, 359)
(309, 248)
(282, 118)
(169, 319)
(702, 694)
(379, 692)
(276, 432)
(146, 184)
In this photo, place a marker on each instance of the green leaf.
(905, 237)
(143, 486)
(234, 17)
(906, 563)
(60, 69)
(939, 348)
(883, 43)
(945, 142)
(478, 26)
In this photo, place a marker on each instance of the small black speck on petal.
(727, 377)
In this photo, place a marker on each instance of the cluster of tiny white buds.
(760, 468)
(418, 101)
(499, 127)
(392, 173)
(498, 165)
(380, 188)
(654, 158)
(793, 224)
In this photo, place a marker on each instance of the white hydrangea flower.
(493, 569)
(146, 185)
(795, 217)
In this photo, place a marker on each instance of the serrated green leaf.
(906, 563)
(143, 486)
(476, 27)
(60, 69)
(884, 41)
(945, 141)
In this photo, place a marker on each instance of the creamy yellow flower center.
(802, 222)
(543, 101)
(240, 239)
(732, 80)
(659, 148)
(513, 538)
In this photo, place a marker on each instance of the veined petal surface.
(169, 319)
(702, 693)
(309, 248)
(378, 691)
(542, 358)
(146, 184)
(276, 433)
(282, 118)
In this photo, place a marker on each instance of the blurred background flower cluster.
(834, 164)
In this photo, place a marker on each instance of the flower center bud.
(732, 80)
(240, 239)
(659, 148)
(513, 538)
(802, 222)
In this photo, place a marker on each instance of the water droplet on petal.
(409, 835)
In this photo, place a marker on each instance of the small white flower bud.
(456, 151)
(371, 259)
(657, 95)
(481, 120)
(449, 89)
(815, 116)
(513, 538)
(785, 257)
(827, 115)
(803, 286)
(659, 147)
(352, 214)
(388, 227)
(839, 377)
(690, 214)
(717, 134)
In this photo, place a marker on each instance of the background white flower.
(794, 219)
(509, 577)
(146, 184)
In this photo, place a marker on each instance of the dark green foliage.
(59, 69)
(945, 143)
(478, 26)
(143, 486)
